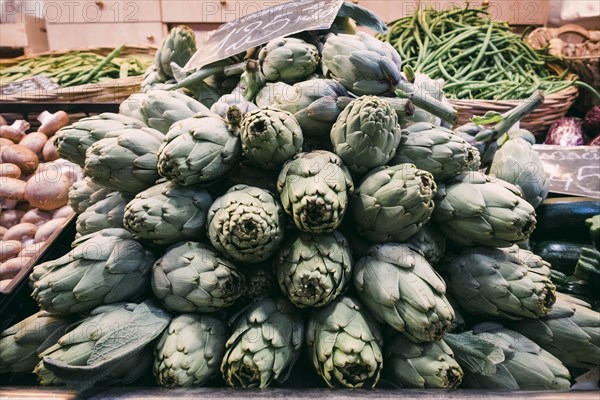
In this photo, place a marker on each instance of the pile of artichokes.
(304, 217)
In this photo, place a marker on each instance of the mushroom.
(14, 132)
(52, 122)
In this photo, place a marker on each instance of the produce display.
(34, 187)
(323, 218)
(76, 68)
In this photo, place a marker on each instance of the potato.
(63, 212)
(33, 250)
(34, 141)
(8, 170)
(2, 232)
(36, 216)
(21, 156)
(10, 218)
(21, 232)
(10, 268)
(12, 189)
(49, 152)
(4, 285)
(9, 249)
(46, 230)
(47, 194)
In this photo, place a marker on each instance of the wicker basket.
(113, 91)
(555, 106)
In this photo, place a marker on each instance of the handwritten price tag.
(255, 29)
(572, 170)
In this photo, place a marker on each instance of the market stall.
(312, 198)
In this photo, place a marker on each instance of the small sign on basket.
(572, 170)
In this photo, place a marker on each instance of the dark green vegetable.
(564, 219)
(562, 255)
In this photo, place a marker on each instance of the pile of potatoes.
(34, 187)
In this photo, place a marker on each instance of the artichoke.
(288, 59)
(260, 282)
(316, 103)
(270, 137)
(366, 134)
(518, 163)
(178, 46)
(314, 269)
(431, 242)
(160, 109)
(102, 268)
(92, 340)
(190, 351)
(344, 343)
(474, 208)
(73, 141)
(21, 343)
(314, 189)
(191, 277)
(493, 357)
(107, 213)
(197, 150)
(266, 341)
(246, 224)
(85, 193)
(167, 213)
(570, 332)
(125, 162)
(509, 283)
(421, 365)
(437, 150)
(393, 203)
(400, 288)
(232, 107)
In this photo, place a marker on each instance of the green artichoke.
(232, 107)
(421, 365)
(594, 224)
(266, 341)
(366, 134)
(151, 80)
(95, 339)
(433, 87)
(314, 189)
(288, 59)
(509, 283)
(270, 137)
(570, 331)
(167, 213)
(190, 351)
(344, 343)
(393, 203)
(430, 241)
(400, 288)
(260, 282)
(107, 213)
(315, 103)
(473, 208)
(85, 193)
(437, 150)
(199, 150)
(160, 109)
(191, 277)
(493, 357)
(73, 141)
(314, 269)
(178, 46)
(102, 268)
(21, 343)
(246, 224)
(125, 162)
(518, 163)
(252, 79)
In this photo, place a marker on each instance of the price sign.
(255, 29)
(572, 170)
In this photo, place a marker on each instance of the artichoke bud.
(192, 277)
(260, 282)
(393, 203)
(246, 224)
(270, 137)
(178, 46)
(106, 213)
(366, 134)
(313, 269)
(314, 189)
(431, 242)
(288, 60)
(345, 343)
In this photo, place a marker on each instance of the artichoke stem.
(426, 102)
(198, 76)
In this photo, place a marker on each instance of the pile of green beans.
(478, 57)
(77, 67)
